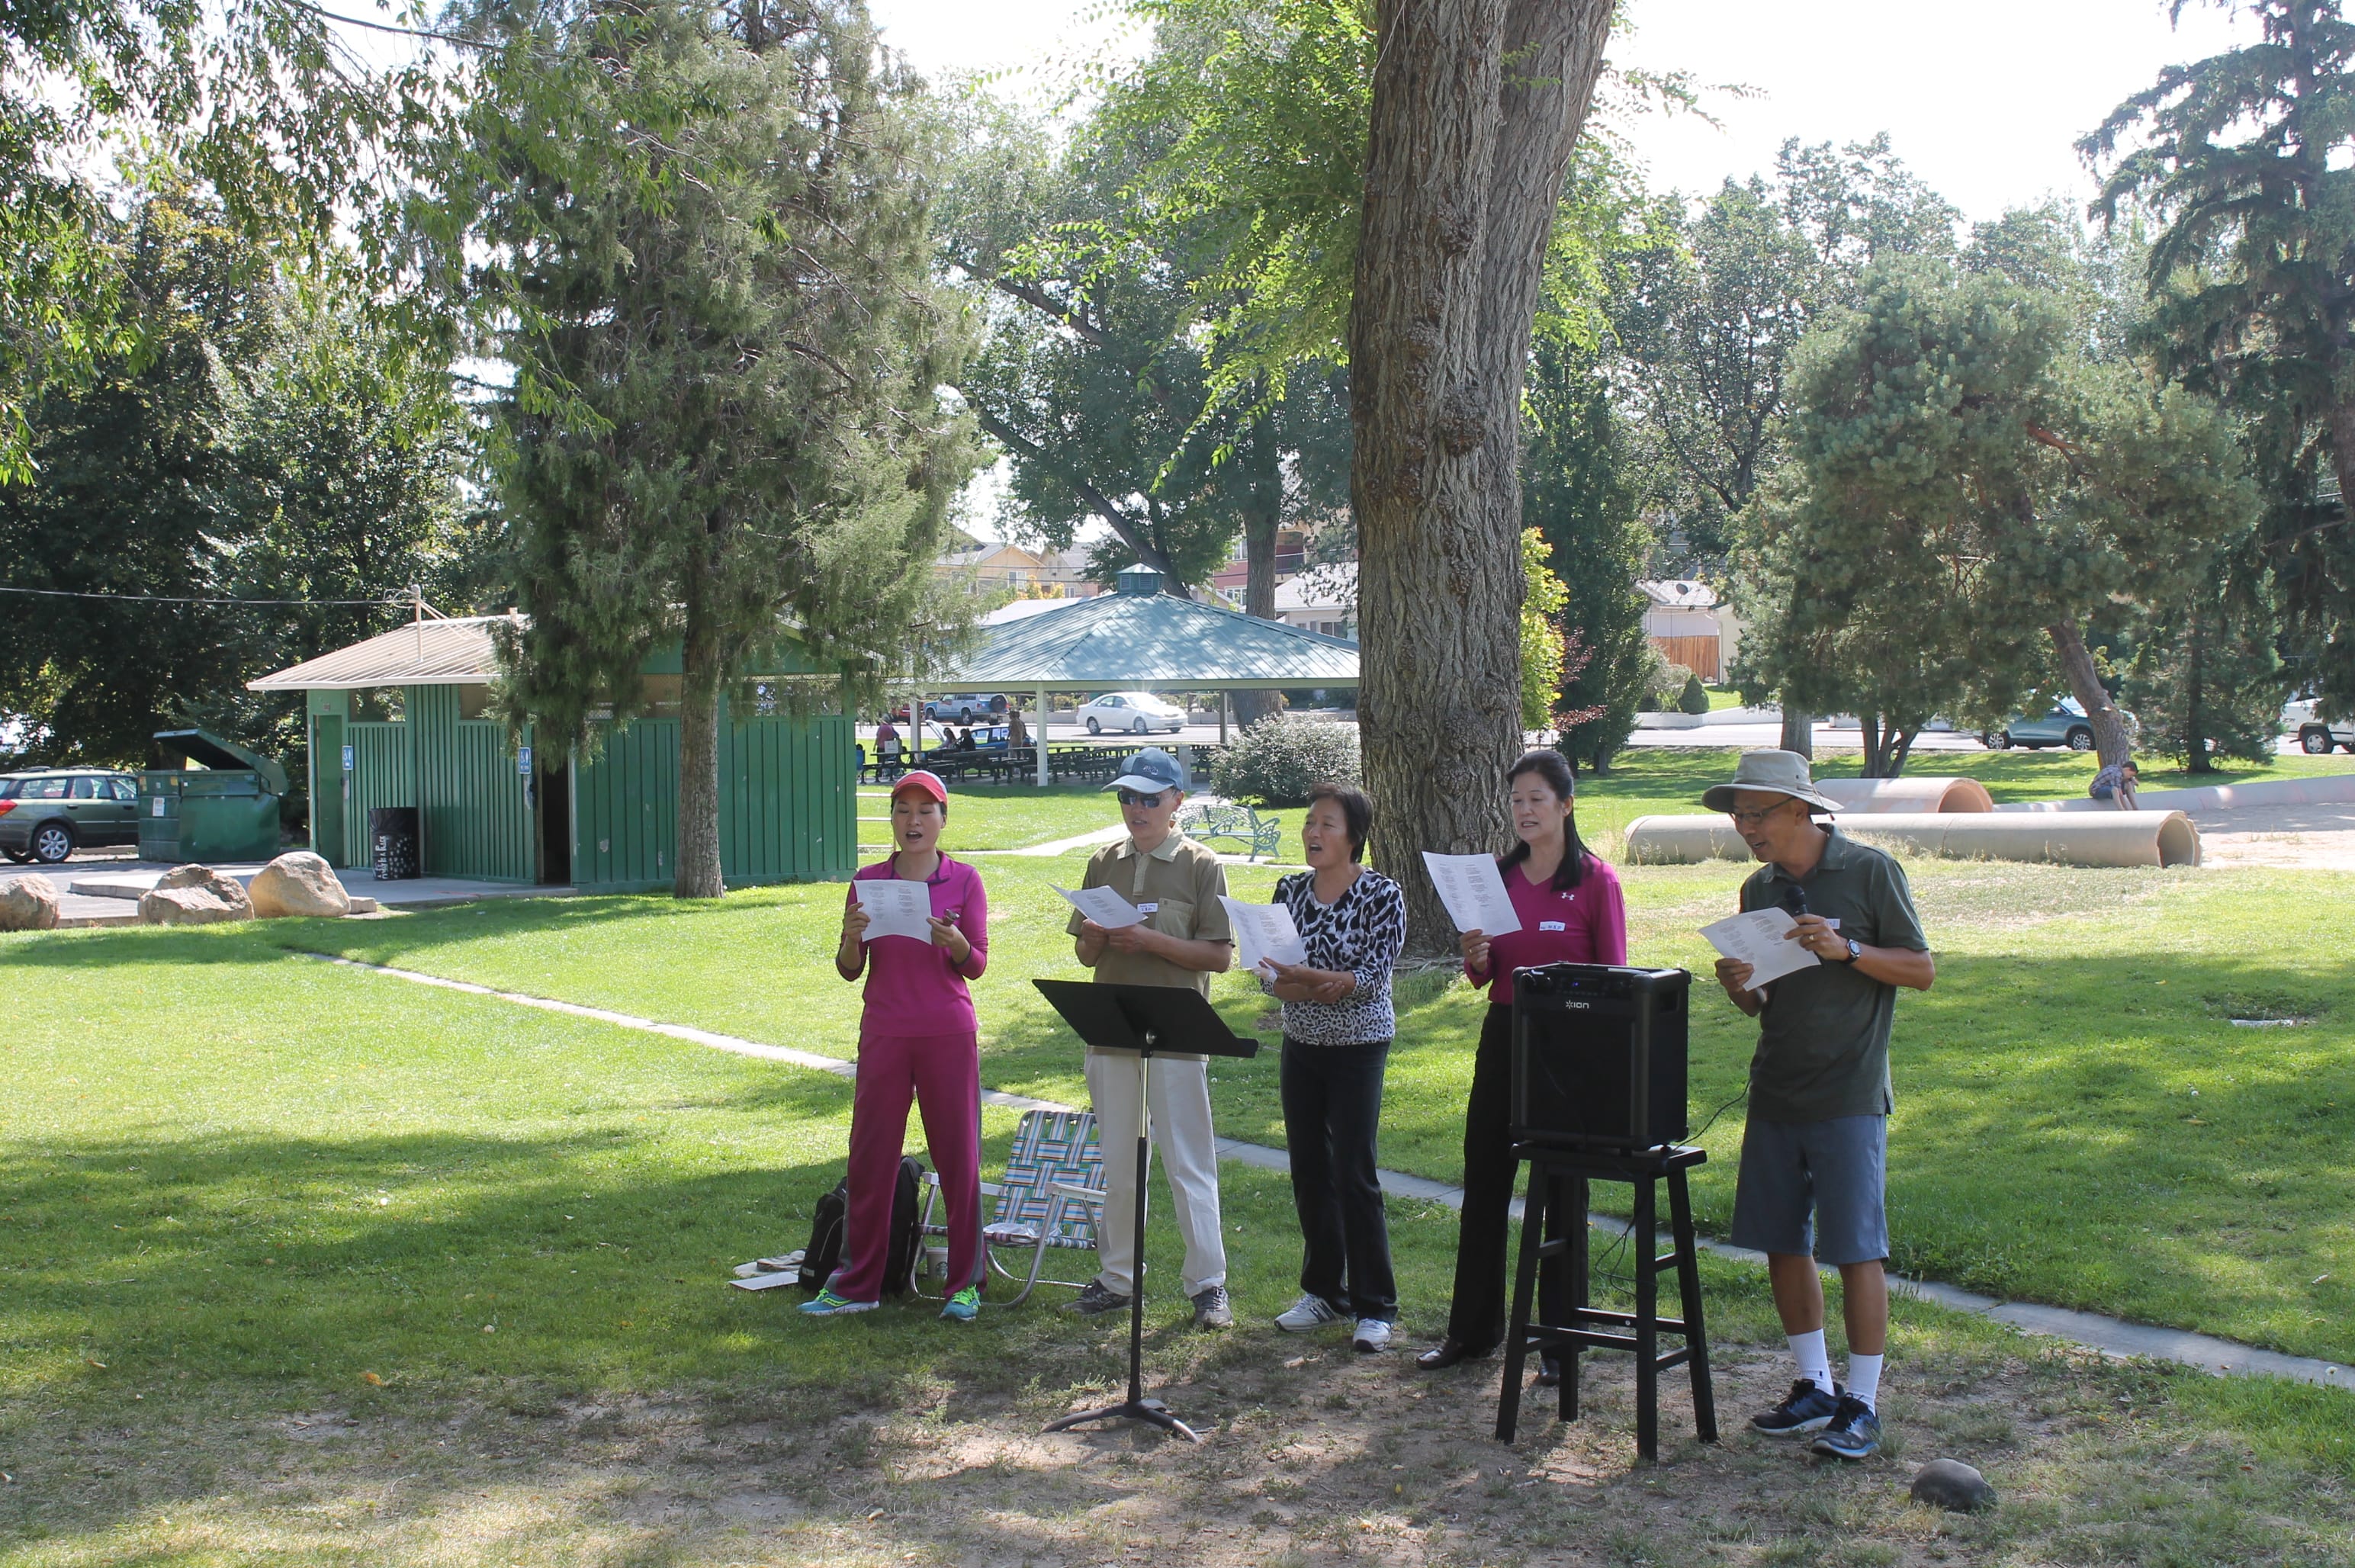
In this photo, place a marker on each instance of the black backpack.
(824, 1253)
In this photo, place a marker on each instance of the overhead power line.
(388, 599)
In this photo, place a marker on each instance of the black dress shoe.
(1549, 1372)
(1447, 1353)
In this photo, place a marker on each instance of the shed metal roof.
(1121, 642)
(455, 652)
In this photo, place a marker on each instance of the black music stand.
(1147, 1020)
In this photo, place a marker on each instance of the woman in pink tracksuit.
(917, 1039)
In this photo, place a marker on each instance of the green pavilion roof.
(1144, 640)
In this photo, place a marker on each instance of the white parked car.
(1131, 714)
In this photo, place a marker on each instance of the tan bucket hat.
(1779, 772)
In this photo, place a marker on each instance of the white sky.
(1983, 98)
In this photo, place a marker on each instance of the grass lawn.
(996, 817)
(305, 1266)
(2078, 1121)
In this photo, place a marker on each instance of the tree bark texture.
(1798, 731)
(2085, 685)
(697, 876)
(1477, 108)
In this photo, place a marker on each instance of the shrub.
(1696, 697)
(1276, 761)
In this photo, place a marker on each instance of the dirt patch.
(1314, 1455)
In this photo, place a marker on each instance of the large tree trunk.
(697, 876)
(2085, 685)
(2195, 707)
(1477, 108)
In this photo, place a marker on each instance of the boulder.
(1952, 1485)
(28, 903)
(298, 883)
(195, 895)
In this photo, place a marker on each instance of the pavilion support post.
(1038, 737)
(1222, 717)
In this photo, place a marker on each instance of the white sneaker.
(1372, 1335)
(1308, 1312)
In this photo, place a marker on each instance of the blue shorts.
(1837, 1169)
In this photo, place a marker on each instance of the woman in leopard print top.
(1337, 1026)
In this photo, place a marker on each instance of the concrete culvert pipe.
(1914, 795)
(2072, 839)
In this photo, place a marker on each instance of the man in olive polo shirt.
(1183, 939)
(1817, 1138)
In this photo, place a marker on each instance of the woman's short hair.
(1357, 812)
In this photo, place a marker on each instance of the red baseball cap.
(924, 781)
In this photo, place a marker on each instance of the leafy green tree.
(702, 240)
(1543, 598)
(260, 101)
(1090, 379)
(272, 442)
(1960, 482)
(2241, 159)
(1578, 490)
(2206, 681)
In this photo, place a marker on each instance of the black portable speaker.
(1599, 1055)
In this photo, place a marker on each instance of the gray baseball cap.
(1776, 773)
(1150, 772)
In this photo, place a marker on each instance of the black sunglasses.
(1130, 797)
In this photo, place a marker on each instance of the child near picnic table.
(917, 1039)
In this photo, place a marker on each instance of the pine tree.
(708, 233)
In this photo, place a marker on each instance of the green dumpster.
(221, 805)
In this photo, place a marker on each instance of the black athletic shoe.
(1806, 1409)
(1094, 1300)
(1854, 1432)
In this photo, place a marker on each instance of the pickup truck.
(2316, 734)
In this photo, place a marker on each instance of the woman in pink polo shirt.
(1571, 910)
(917, 1038)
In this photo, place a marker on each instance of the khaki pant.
(1180, 1131)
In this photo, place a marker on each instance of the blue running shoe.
(828, 1305)
(1854, 1432)
(1808, 1408)
(963, 1306)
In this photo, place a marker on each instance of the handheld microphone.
(1794, 898)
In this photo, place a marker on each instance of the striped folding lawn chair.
(1048, 1198)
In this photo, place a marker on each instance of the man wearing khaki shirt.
(1184, 939)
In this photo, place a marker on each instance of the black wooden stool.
(1593, 1327)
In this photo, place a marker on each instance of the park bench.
(1238, 825)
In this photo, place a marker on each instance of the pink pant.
(943, 1073)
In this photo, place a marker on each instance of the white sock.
(1815, 1362)
(1864, 1378)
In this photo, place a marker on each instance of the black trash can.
(392, 838)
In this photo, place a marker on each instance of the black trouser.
(1477, 1319)
(1332, 1110)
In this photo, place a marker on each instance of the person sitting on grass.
(1814, 1167)
(2116, 784)
(917, 1039)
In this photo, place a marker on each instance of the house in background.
(997, 567)
(1322, 599)
(1691, 626)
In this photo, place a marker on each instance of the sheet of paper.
(1104, 906)
(1263, 932)
(1473, 892)
(1757, 939)
(895, 907)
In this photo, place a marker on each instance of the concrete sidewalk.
(107, 892)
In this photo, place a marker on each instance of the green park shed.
(402, 720)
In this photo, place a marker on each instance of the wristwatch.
(1855, 949)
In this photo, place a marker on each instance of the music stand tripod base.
(1138, 1018)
